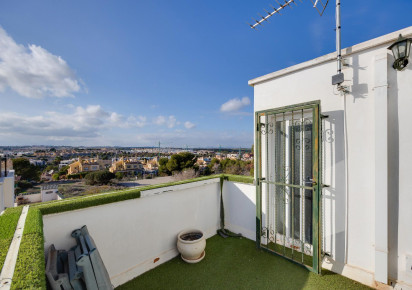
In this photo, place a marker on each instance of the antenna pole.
(338, 37)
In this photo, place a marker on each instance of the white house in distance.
(49, 192)
(338, 163)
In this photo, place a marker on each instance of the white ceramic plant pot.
(191, 245)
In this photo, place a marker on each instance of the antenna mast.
(339, 77)
(338, 38)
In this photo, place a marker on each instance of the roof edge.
(387, 38)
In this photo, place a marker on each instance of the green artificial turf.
(8, 224)
(236, 264)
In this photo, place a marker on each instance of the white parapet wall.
(33, 198)
(137, 235)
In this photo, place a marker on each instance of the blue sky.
(132, 73)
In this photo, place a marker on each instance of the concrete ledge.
(157, 191)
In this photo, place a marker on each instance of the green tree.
(119, 175)
(213, 162)
(63, 171)
(51, 167)
(214, 166)
(206, 171)
(26, 170)
(57, 160)
(180, 161)
(24, 184)
(99, 177)
(163, 166)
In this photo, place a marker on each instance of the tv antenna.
(320, 7)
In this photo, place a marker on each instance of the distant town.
(71, 171)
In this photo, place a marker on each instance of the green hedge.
(79, 203)
(30, 267)
(239, 178)
(70, 204)
(8, 224)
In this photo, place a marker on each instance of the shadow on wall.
(359, 91)
(334, 197)
(393, 168)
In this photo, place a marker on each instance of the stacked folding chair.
(80, 268)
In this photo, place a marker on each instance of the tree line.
(186, 160)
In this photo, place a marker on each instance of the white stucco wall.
(49, 194)
(32, 198)
(131, 234)
(240, 208)
(312, 81)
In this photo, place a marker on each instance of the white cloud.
(115, 118)
(159, 120)
(189, 125)
(34, 72)
(170, 121)
(179, 138)
(82, 122)
(235, 104)
(53, 128)
(139, 121)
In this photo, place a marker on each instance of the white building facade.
(365, 142)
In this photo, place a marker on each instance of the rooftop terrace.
(135, 232)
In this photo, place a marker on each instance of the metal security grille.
(288, 183)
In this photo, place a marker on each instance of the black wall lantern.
(401, 50)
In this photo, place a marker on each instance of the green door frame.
(316, 187)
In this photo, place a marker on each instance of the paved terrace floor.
(236, 264)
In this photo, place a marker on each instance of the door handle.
(310, 181)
